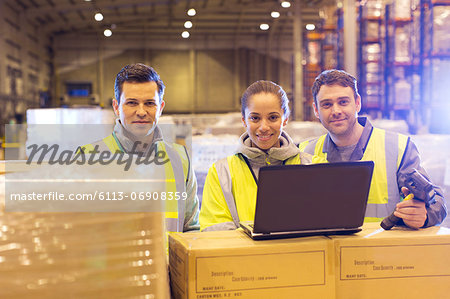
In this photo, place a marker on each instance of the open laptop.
(304, 200)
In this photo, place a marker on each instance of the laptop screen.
(310, 197)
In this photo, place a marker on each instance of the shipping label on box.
(401, 263)
(371, 262)
(245, 272)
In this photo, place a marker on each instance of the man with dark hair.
(138, 104)
(352, 138)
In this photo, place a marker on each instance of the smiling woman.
(265, 112)
(229, 194)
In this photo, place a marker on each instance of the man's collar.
(367, 131)
(127, 140)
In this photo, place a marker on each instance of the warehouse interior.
(59, 59)
(54, 49)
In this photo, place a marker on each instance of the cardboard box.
(400, 263)
(229, 264)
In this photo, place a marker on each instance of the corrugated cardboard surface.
(229, 264)
(400, 263)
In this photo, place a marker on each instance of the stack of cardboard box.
(374, 263)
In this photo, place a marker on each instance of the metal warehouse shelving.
(435, 63)
(370, 57)
(402, 56)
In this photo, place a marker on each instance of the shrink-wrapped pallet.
(80, 254)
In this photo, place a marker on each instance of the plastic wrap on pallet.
(304, 130)
(313, 56)
(441, 81)
(59, 255)
(435, 158)
(207, 149)
(402, 9)
(373, 8)
(402, 93)
(373, 90)
(330, 38)
(70, 116)
(373, 73)
(372, 30)
(201, 123)
(371, 52)
(372, 101)
(398, 126)
(415, 36)
(433, 150)
(328, 14)
(330, 60)
(441, 23)
(81, 255)
(402, 44)
(372, 67)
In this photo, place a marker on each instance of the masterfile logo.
(53, 155)
(48, 171)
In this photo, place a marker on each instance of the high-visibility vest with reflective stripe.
(386, 150)
(176, 173)
(238, 187)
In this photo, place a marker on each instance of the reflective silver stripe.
(172, 224)
(102, 147)
(178, 172)
(223, 173)
(221, 226)
(377, 210)
(311, 146)
(391, 156)
(304, 158)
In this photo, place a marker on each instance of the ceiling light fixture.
(98, 16)
(191, 12)
(264, 26)
(286, 4)
(188, 24)
(107, 32)
(185, 34)
(275, 14)
(310, 27)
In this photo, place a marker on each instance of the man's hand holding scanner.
(412, 211)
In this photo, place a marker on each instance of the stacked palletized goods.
(207, 149)
(81, 255)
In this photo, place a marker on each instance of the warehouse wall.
(197, 81)
(25, 65)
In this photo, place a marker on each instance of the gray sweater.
(274, 156)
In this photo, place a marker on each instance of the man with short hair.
(138, 104)
(352, 138)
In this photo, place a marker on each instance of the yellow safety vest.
(386, 150)
(175, 179)
(230, 190)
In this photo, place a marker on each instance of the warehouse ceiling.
(164, 18)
